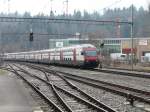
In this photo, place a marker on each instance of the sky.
(59, 6)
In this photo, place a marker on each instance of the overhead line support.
(54, 20)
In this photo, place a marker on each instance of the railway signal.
(101, 45)
(31, 36)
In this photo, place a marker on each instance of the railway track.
(64, 92)
(131, 94)
(123, 72)
(136, 70)
(34, 86)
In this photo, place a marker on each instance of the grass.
(2, 72)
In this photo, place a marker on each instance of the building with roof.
(141, 46)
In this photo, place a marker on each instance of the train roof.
(77, 46)
(63, 48)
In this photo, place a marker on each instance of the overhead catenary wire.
(111, 5)
(46, 5)
(42, 34)
(66, 20)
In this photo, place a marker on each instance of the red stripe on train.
(74, 56)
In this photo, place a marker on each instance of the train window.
(82, 53)
(90, 53)
(123, 56)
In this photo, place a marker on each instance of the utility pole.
(51, 11)
(8, 10)
(118, 28)
(132, 36)
(66, 7)
(0, 42)
(66, 12)
(1, 50)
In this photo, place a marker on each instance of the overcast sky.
(59, 6)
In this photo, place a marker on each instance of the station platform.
(14, 97)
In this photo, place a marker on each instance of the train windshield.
(90, 53)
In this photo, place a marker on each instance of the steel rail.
(49, 102)
(51, 85)
(100, 104)
(96, 102)
(107, 83)
(98, 81)
(122, 93)
(72, 95)
(106, 87)
(140, 75)
(57, 94)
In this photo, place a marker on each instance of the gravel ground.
(135, 82)
(116, 102)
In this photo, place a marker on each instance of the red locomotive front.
(90, 57)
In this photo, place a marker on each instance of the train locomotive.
(84, 55)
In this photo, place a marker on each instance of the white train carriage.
(78, 55)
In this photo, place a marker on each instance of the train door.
(61, 56)
(74, 57)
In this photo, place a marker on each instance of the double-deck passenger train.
(84, 55)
